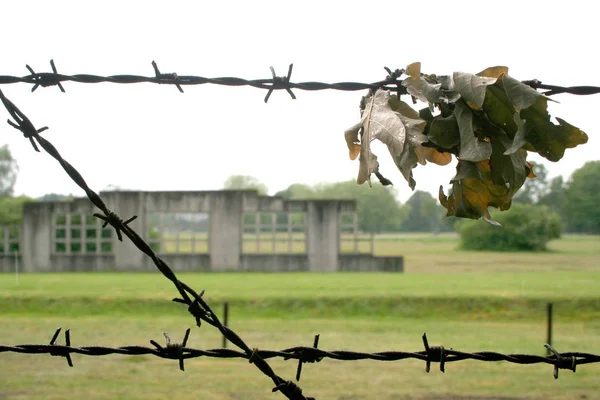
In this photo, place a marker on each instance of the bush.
(524, 228)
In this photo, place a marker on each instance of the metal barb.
(46, 79)
(306, 357)
(115, 221)
(23, 123)
(173, 350)
(434, 354)
(561, 362)
(393, 76)
(281, 82)
(62, 352)
(171, 78)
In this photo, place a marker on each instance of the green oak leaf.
(509, 170)
(499, 110)
(472, 88)
(471, 147)
(532, 127)
(444, 132)
(546, 138)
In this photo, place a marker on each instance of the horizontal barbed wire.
(431, 354)
(391, 82)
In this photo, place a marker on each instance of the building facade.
(193, 231)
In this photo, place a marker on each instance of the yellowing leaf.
(494, 72)
(425, 154)
(421, 87)
(531, 172)
(351, 136)
(470, 197)
(414, 70)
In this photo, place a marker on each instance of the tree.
(241, 182)
(377, 208)
(555, 196)
(582, 199)
(297, 191)
(525, 227)
(55, 197)
(8, 171)
(423, 213)
(11, 209)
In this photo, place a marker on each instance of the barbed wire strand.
(197, 307)
(431, 354)
(392, 83)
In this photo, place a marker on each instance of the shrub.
(524, 228)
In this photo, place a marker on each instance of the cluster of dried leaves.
(488, 121)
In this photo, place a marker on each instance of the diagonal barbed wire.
(196, 304)
(276, 82)
(431, 354)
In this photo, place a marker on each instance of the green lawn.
(469, 301)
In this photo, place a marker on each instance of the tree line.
(576, 201)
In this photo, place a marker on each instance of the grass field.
(469, 301)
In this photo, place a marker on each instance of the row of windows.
(188, 233)
(81, 234)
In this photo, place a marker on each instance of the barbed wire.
(392, 83)
(431, 354)
(197, 306)
(199, 309)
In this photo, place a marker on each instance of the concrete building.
(193, 231)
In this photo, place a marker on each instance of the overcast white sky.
(152, 137)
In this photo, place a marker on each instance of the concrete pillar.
(36, 237)
(225, 235)
(126, 204)
(323, 235)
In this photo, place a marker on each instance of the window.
(278, 233)
(9, 240)
(81, 234)
(351, 240)
(179, 233)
